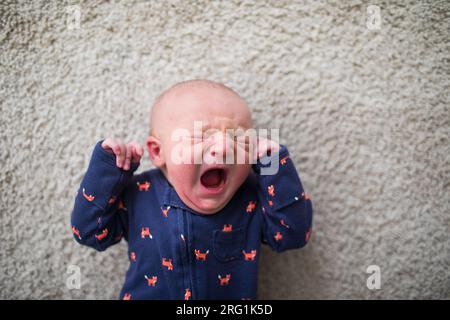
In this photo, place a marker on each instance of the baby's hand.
(125, 153)
(264, 147)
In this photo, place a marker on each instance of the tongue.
(211, 178)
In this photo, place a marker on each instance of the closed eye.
(192, 139)
(242, 139)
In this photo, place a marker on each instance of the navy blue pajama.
(177, 253)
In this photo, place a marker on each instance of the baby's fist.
(125, 153)
(264, 147)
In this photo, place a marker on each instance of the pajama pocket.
(228, 245)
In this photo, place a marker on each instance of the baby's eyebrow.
(231, 128)
(230, 131)
(206, 127)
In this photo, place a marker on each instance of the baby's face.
(195, 125)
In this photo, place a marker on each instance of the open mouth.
(213, 179)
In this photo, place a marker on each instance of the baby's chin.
(207, 205)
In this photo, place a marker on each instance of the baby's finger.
(138, 151)
(120, 158)
(129, 154)
(254, 148)
(263, 148)
(111, 146)
(274, 147)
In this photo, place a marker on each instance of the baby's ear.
(154, 149)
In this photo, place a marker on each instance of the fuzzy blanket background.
(362, 102)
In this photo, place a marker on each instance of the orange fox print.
(224, 281)
(271, 190)
(165, 211)
(88, 197)
(200, 256)
(249, 256)
(127, 296)
(145, 232)
(284, 223)
(251, 206)
(308, 234)
(187, 294)
(133, 256)
(151, 281)
(102, 235)
(227, 228)
(278, 236)
(143, 186)
(270, 203)
(76, 232)
(305, 196)
(283, 161)
(167, 263)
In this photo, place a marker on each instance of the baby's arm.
(287, 209)
(99, 217)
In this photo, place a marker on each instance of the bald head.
(195, 96)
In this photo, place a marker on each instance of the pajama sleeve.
(286, 207)
(99, 217)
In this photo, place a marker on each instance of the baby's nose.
(217, 151)
(220, 147)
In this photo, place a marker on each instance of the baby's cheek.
(184, 174)
(241, 172)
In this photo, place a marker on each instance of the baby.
(194, 225)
